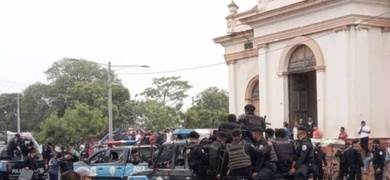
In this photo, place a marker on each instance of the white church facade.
(329, 59)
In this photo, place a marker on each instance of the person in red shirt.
(317, 134)
(152, 138)
(343, 135)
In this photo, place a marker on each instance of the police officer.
(285, 151)
(262, 168)
(196, 156)
(47, 149)
(229, 126)
(260, 143)
(14, 146)
(246, 131)
(343, 167)
(238, 157)
(216, 151)
(378, 159)
(319, 158)
(252, 119)
(84, 152)
(270, 135)
(304, 159)
(355, 161)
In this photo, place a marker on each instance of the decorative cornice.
(341, 28)
(283, 74)
(363, 27)
(332, 24)
(320, 68)
(234, 36)
(262, 46)
(231, 62)
(282, 11)
(386, 29)
(231, 58)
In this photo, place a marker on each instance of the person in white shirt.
(138, 137)
(364, 131)
(168, 135)
(295, 130)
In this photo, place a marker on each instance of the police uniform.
(304, 159)
(253, 120)
(228, 128)
(215, 152)
(196, 157)
(238, 157)
(84, 154)
(265, 167)
(378, 160)
(354, 161)
(319, 158)
(285, 150)
(343, 167)
(246, 131)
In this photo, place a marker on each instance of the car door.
(180, 170)
(108, 164)
(114, 165)
(145, 153)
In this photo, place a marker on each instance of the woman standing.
(53, 167)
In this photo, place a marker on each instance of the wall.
(316, 15)
(356, 81)
(245, 71)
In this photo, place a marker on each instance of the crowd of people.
(245, 149)
(55, 162)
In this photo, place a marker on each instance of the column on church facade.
(232, 87)
(263, 79)
(362, 73)
(284, 98)
(353, 83)
(337, 108)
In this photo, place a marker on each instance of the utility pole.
(110, 133)
(18, 114)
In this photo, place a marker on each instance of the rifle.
(265, 117)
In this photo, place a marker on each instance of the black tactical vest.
(214, 159)
(253, 121)
(238, 158)
(284, 150)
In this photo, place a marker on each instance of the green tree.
(94, 94)
(75, 124)
(65, 73)
(8, 109)
(155, 115)
(210, 109)
(170, 91)
(34, 107)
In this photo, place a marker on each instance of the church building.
(329, 59)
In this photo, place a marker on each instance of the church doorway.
(302, 85)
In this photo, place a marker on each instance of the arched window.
(255, 92)
(302, 59)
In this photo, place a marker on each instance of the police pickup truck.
(115, 162)
(10, 169)
(170, 163)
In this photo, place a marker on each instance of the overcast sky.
(166, 35)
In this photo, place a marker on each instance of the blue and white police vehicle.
(115, 161)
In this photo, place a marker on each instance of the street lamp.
(110, 116)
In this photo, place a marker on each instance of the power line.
(178, 70)
(269, 51)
